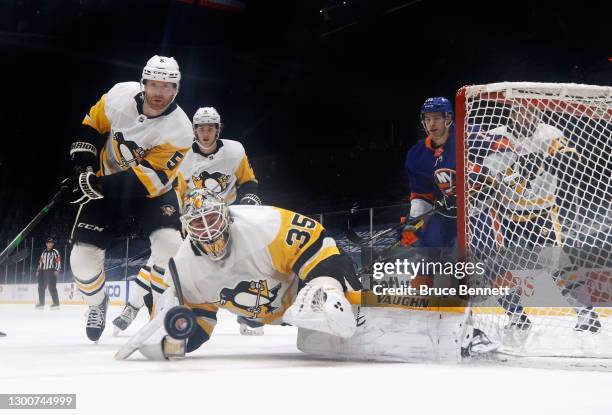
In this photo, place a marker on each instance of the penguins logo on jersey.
(129, 152)
(168, 210)
(445, 179)
(216, 182)
(252, 297)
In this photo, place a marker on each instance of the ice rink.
(47, 352)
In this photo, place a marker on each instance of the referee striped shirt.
(50, 259)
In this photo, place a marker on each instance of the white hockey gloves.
(322, 306)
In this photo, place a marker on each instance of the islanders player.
(216, 164)
(264, 263)
(134, 139)
(430, 167)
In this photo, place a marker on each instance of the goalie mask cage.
(534, 194)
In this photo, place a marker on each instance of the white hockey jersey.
(517, 191)
(270, 249)
(150, 147)
(221, 172)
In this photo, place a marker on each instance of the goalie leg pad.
(322, 306)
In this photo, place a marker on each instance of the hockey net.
(534, 169)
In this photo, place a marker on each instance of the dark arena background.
(325, 96)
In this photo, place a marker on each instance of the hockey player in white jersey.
(528, 169)
(219, 165)
(216, 164)
(261, 262)
(134, 139)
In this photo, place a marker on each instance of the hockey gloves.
(83, 155)
(82, 187)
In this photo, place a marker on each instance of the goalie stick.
(179, 326)
(180, 321)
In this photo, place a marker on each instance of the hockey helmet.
(162, 68)
(205, 217)
(207, 115)
(437, 104)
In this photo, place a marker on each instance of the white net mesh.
(535, 166)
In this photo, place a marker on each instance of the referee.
(49, 265)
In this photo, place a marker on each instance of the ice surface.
(48, 352)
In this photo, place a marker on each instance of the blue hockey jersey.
(431, 171)
(432, 176)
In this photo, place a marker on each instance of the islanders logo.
(445, 179)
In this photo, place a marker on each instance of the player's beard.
(157, 102)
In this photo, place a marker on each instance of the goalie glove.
(83, 187)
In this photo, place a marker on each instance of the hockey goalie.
(276, 266)
(264, 263)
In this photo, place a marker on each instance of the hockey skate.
(517, 330)
(124, 319)
(587, 320)
(54, 307)
(39, 307)
(250, 327)
(96, 320)
(478, 344)
(322, 307)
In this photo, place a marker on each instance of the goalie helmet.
(205, 217)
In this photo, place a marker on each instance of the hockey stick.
(356, 239)
(30, 226)
(176, 281)
(180, 321)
